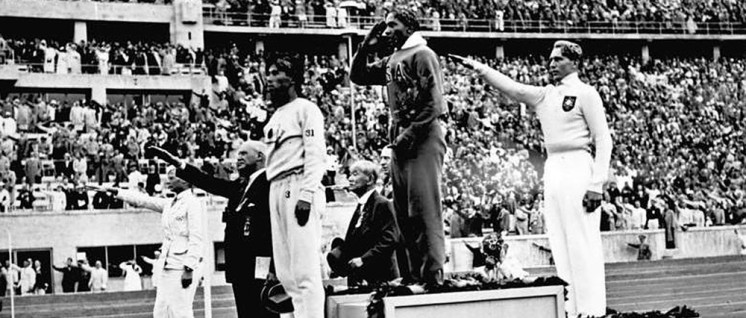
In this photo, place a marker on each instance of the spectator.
(70, 275)
(741, 242)
(131, 272)
(12, 276)
(99, 278)
(638, 217)
(42, 284)
(4, 279)
(28, 278)
(643, 248)
(85, 276)
(26, 197)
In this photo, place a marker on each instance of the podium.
(528, 302)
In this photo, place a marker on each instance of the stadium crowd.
(100, 57)
(653, 15)
(677, 125)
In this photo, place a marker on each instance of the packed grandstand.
(677, 124)
(677, 117)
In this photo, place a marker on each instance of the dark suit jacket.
(241, 250)
(374, 241)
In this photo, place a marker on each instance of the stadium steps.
(715, 287)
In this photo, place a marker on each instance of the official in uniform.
(296, 163)
(573, 122)
(414, 81)
(367, 253)
(248, 238)
(183, 245)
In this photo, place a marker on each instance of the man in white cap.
(574, 123)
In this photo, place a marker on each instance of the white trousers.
(574, 234)
(297, 249)
(172, 300)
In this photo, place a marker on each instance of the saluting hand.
(101, 189)
(165, 155)
(592, 201)
(466, 62)
(372, 38)
(302, 212)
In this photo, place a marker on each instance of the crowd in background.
(80, 276)
(100, 57)
(677, 125)
(650, 15)
(31, 279)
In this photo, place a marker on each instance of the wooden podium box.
(529, 302)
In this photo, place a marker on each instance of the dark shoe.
(434, 278)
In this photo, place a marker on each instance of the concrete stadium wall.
(99, 84)
(87, 10)
(183, 16)
(695, 242)
(64, 232)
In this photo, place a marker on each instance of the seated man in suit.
(367, 253)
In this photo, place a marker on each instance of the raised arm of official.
(527, 94)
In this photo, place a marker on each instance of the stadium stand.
(677, 119)
(694, 16)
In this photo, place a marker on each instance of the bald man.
(248, 241)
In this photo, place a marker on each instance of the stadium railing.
(213, 15)
(179, 68)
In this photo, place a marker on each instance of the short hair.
(368, 168)
(258, 146)
(408, 18)
(570, 50)
(292, 65)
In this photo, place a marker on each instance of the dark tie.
(243, 197)
(359, 215)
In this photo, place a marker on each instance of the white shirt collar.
(183, 193)
(572, 77)
(414, 40)
(364, 198)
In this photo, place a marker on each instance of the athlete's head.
(564, 59)
(400, 25)
(284, 80)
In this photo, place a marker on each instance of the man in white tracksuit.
(180, 264)
(296, 155)
(572, 119)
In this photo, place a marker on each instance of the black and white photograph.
(372, 158)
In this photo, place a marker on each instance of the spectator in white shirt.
(28, 278)
(99, 278)
(638, 216)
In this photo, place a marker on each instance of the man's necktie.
(359, 214)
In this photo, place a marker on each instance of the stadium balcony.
(217, 20)
(87, 11)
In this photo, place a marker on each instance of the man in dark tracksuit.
(246, 217)
(414, 80)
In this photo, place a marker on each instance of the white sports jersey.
(295, 142)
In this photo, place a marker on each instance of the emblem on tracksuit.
(568, 103)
